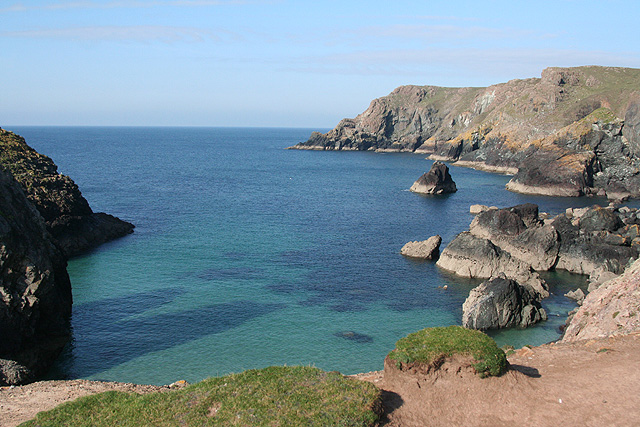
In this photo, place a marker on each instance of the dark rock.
(436, 181)
(35, 291)
(598, 219)
(501, 303)
(505, 222)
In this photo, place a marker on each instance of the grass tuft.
(432, 345)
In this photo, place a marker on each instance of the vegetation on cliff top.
(432, 345)
(274, 396)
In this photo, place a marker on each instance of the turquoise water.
(247, 255)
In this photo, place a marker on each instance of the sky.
(281, 63)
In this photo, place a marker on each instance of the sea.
(246, 254)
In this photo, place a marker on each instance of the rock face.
(436, 181)
(501, 303)
(68, 216)
(35, 293)
(426, 249)
(574, 131)
(612, 309)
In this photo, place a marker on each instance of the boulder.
(577, 295)
(501, 303)
(35, 292)
(436, 181)
(600, 219)
(425, 249)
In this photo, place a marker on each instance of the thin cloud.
(485, 62)
(66, 5)
(139, 33)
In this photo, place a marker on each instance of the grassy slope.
(275, 396)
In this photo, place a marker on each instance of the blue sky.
(281, 63)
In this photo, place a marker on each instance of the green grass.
(275, 396)
(432, 345)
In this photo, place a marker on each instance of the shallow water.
(247, 255)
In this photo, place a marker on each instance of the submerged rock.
(436, 181)
(425, 249)
(354, 336)
(501, 303)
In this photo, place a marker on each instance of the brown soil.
(586, 383)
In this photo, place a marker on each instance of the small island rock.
(501, 303)
(436, 181)
(426, 249)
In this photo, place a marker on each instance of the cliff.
(35, 293)
(44, 219)
(67, 214)
(572, 132)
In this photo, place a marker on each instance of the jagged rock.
(559, 135)
(612, 309)
(501, 303)
(577, 295)
(436, 181)
(66, 212)
(476, 209)
(515, 242)
(425, 249)
(600, 219)
(35, 292)
(471, 256)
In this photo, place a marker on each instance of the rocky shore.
(572, 132)
(44, 219)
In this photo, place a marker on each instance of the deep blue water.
(247, 255)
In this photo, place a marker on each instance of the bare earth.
(586, 383)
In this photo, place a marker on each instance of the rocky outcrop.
(436, 181)
(572, 132)
(425, 249)
(501, 303)
(515, 241)
(612, 309)
(35, 293)
(68, 216)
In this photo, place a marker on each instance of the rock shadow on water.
(354, 336)
(114, 331)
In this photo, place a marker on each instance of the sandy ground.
(588, 383)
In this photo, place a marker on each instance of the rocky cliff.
(35, 293)
(67, 214)
(43, 220)
(572, 132)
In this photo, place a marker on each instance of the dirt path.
(588, 383)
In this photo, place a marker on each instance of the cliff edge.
(572, 132)
(67, 214)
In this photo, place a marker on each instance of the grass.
(432, 345)
(274, 396)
